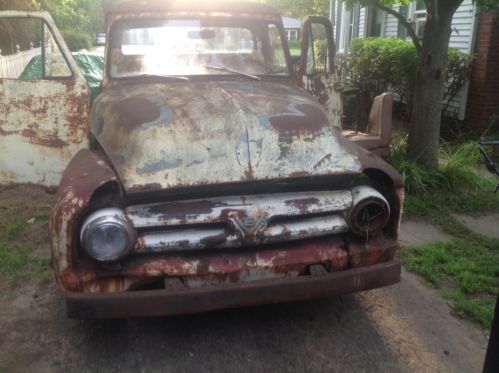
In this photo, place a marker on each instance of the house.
(467, 34)
(292, 28)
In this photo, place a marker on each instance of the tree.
(300, 8)
(430, 76)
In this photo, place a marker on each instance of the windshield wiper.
(174, 77)
(224, 68)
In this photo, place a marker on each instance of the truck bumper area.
(173, 302)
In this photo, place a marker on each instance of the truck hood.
(161, 136)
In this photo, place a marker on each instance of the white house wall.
(391, 25)
(362, 23)
(462, 27)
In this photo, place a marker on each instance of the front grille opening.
(282, 219)
(172, 228)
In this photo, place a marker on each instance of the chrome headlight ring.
(107, 235)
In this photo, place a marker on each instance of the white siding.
(462, 27)
(391, 25)
(337, 18)
(362, 22)
(462, 37)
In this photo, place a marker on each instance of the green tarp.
(90, 64)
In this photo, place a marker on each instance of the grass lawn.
(22, 227)
(466, 269)
(295, 51)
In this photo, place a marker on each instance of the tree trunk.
(427, 105)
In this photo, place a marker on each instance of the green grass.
(17, 261)
(459, 185)
(466, 269)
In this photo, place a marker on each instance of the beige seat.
(379, 127)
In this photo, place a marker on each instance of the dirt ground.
(402, 328)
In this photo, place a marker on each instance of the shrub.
(376, 65)
(77, 40)
(457, 170)
(458, 71)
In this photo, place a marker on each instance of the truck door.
(44, 100)
(317, 73)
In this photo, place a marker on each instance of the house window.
(416, 16)
(292, 34)
(349, 26)
(420, 17)
(377, 22)
(401, 30)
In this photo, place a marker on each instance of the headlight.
(107, 235)
(370, 211)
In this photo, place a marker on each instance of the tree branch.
(404, 22)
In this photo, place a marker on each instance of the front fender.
(83, 176)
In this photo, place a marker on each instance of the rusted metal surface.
(187, 163)
(324, 86)
(167, 302)
(230, 221)
(84, 175)
(326, 90)
(173, 135)
(43, 123)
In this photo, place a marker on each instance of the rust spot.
(302, 204)
(49, 140)
(177, 210)
(310, 122)
(327, 157)
(300, 174)
(249, 172)
(135, 111)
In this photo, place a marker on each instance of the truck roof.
(125, 6)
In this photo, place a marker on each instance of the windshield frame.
(159, 18)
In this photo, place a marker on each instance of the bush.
(294, 44)
(456, 173)
(376, 65)
(77, 40)
(458, 71)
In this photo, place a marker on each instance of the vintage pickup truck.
(211, 172)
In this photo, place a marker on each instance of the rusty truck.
(210, 172)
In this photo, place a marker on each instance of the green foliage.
(294, 44)
(76, 40)
(458, 71)
(74, 18)
(86, 16)
(320, 54)
(456, 185)
(376, 65)
(300, 8)
(465, 268)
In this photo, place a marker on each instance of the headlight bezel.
(107, 217)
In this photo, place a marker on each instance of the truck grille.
(235, 221)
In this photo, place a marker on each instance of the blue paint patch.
(166, 114)
(159, 165)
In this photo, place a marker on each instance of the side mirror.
(317, 47)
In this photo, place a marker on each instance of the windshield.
(185, 47)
